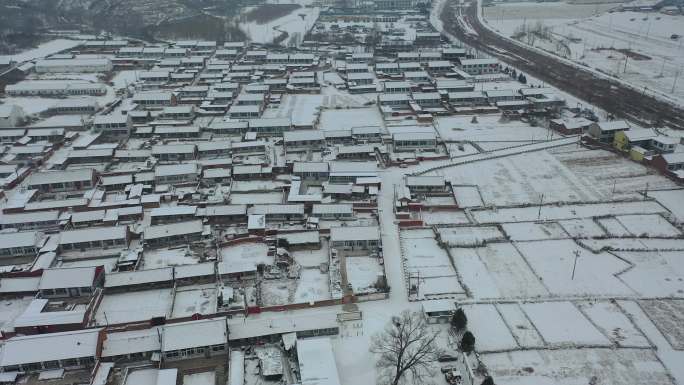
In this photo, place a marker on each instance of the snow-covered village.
(341, 192)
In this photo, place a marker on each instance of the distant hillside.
(20, 19)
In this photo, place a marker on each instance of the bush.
(459, 320)
(468, 342)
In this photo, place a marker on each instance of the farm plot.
(614, 324)
(672, 199)
(610, 175)
(562, 324)
(648, 225)
(560, 212)
(487, 128)
(491, 333)
(613, 227)
(533, 231)
(520, 326)
(633, 244)
(655, 273)
(444, 217)
(582, 228)
(577, 366)
(522, 179)
(667, 316)
(467, 196)
(422, 255)
(345, 119)
(497, 271)
(469, 235)
(553, 262)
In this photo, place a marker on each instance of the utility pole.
(541, 201)
(574, 265)
(674, 82)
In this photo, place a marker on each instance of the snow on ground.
(582, 228)
(613, 227)
(296, 24)
(469, 235)
(528, 214)
(311, 258)
(422, 255)
(277, 292)
(496, 271)
(203, 378)
(520, 326)
(363, 273)
(592, 37)
(302, 109)
(672, 199)
(467, 196)
(612, 176)
(561, 323)
(194, 300)
(491, 333)
(576, 367)
(11, 309)
(134, 306)
(522, 179)
(45, 49)
(312, 285)
(488, 128)
(671, 358)
(344, 119)
(256, 253)
(667, 316)
(156, 258)
(553, 262)
(633, 244)
(261, 198)
(532, 231)
(443, 217)
(613, 323)
(652, 225)
(122, 79)
(655, 273)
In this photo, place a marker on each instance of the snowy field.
(423, 256)
(593, 37)
(562, 324)
(345, 119)
(296, 25)
(486, 323)
(488, 128)
(45, 49)
(577, 366)
(469, 235)
(497, 271)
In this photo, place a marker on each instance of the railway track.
(614, 97)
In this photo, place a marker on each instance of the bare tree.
(405, 346)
